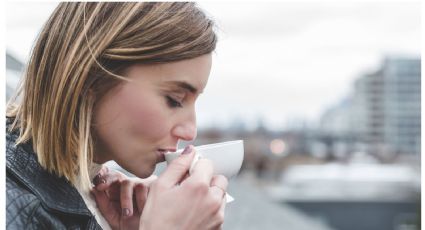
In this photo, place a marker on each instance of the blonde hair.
(79, 55)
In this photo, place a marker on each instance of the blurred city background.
(327, 98)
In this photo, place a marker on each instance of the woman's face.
(137, 121)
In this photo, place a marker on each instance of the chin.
(146, 172)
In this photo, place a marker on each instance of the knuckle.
(104, 169)
(150, 179)
(98, 179)
(139, 185)
(121, 176)
(126, 183)
(199, 188)
(179, 165)
(225, 182)
(216, 203)
(219, 218)
(222, 178)
(137, 181)
(219, 200)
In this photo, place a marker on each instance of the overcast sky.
(278, 61)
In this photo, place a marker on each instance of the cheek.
(146, 116)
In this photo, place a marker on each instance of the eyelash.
(173, 103)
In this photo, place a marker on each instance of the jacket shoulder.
(24, 209)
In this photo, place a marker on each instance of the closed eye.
(173, 103)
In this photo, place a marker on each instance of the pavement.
(253, 210)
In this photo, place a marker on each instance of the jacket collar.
(54, 192)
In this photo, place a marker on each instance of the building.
(384, 114)
(402, 104)
(388, 106)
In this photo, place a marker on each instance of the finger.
(141, 192)
(98, 179)
(149, 180)
(99, 176)
(221, 211)
(218, 189)
(102, 201)
(100, 198)
(177, 168)
(106, 208)
(220, 181)
(104, 181)
(202, 172)
(218, 193)
(223, 206)
(126, 198)
(145, 181)
(114, 191)
(103, 170)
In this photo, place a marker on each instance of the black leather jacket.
(37, 199)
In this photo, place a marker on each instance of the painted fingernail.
(98, 180)
(126, 212)
(187, 150)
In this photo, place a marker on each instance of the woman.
(112, 81)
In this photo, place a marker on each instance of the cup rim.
(220, 144)
(213, 145)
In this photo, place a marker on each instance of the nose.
(186, 129)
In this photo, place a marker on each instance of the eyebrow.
(184, 85)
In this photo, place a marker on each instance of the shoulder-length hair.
(78, 57)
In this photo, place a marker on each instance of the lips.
(161, 153)
(165, 150)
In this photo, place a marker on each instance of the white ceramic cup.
(227, 157)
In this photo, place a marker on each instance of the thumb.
(177, 169)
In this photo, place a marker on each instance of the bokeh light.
(278, 147)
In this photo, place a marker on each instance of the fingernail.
(126, 212)
(187, 150)
(98, 180)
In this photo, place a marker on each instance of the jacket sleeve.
(24, 210)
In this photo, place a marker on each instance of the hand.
(191, 203)
(119, 198)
